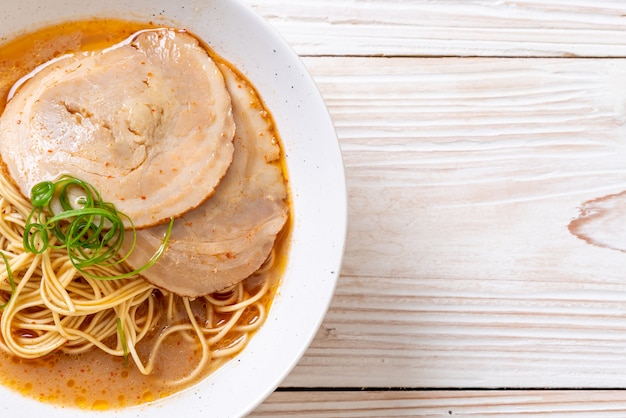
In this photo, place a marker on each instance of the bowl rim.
(297, 105)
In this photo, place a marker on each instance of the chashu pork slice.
(148, 122)
(230, 235)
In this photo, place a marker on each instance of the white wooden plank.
(463, 175)
(449, 27)
(492, 404)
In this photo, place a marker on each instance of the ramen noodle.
(76, 338)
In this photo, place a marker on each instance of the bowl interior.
(316, 179)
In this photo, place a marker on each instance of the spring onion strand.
(10, 278)
(120, 332)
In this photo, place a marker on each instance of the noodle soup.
(140, 343)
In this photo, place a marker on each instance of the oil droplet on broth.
(147, 396)
(100, 405)
(81, 402)
(601, 222)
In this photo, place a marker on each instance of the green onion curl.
(70, 213)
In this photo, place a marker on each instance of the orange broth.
(96, 380)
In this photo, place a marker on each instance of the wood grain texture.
(450, 27)
(472, 133)
(491, 404)
(463, 175)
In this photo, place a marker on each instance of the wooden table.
(473, 132)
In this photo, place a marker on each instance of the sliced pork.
(230, 235)
(147, 122)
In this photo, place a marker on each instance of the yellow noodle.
(55, 308)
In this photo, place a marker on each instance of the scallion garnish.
(70, 213)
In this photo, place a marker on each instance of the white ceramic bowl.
(317, 184)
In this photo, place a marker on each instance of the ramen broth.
(97, 380)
